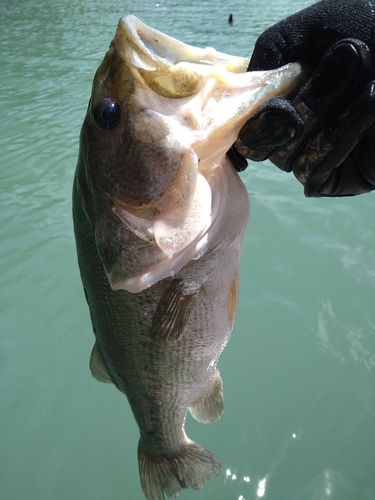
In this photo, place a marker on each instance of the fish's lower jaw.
(169, 474)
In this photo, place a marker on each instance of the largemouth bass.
(159, 217)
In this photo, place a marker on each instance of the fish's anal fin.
(98, 370)
(173, 312)
(210, 407)
(168, 475)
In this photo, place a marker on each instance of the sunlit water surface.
(299, 420)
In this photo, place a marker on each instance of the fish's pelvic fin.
(168, 475)
(173, 312)
(98, 370)
(210, 407)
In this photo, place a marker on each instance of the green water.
(299, 371)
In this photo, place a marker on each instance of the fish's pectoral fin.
(173, 312)
(170, 474)
(97, 368)
(211, 405)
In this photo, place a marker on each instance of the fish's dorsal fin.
(97, 368)
(173, 312)
(210, 407)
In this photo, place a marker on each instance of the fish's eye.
(107, 114)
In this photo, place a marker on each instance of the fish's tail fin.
(161, 474)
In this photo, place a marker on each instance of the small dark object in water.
(230, 20)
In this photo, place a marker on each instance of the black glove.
(325, 133)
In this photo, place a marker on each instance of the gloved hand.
(326, 132)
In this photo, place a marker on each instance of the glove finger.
(276, 123)
(328, 150)
(307, 34)
(239, 162)
(342, 72)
